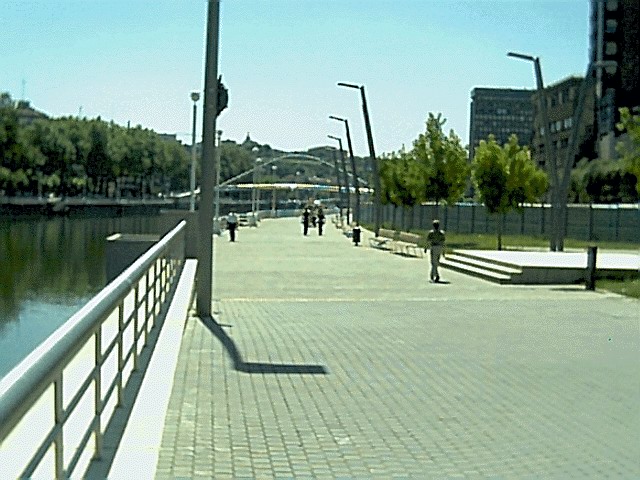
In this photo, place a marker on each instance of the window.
(558, 126)
(567, 123)
(612, 5)
(611, 26)
(611, 48)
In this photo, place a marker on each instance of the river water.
(49, 268)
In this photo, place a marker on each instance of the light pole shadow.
(253, 367)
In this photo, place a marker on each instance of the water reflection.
(48, 269)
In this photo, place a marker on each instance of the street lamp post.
(356, 186)
(549, 152)
(205, 215)
(216, 218)
(195, 96)
(273, 191)
(345, 183)
(372, 155)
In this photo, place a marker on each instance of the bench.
(403, 243)
(384, 240)
(407, 244)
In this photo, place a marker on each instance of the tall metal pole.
(374, 163)
(216, 216)
(195, 96)
(372, 155)
(356, 213)
(549, 151)
(205, 217)
(343, 163)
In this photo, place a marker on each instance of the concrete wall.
(583, 222)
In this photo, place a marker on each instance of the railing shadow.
(251, 367)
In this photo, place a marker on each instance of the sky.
(138, 61)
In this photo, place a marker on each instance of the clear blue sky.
(138, 61)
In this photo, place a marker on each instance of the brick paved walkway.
(330, 361)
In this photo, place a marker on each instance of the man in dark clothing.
(320, 221)
(305, 221)
(435, 242)
(232, 225)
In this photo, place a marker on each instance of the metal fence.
(618, 222)
(55, 404)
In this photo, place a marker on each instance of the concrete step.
(485, 264)
(472, 255)
(475, 271)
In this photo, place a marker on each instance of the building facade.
(615, 40)
(500, 112)
(561, 100)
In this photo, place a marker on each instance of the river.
(49, 268)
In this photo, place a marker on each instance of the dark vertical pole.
(205, 245)
(549, 151)
(345, 174)
(356, 184)
(374, 162)
(592, 254)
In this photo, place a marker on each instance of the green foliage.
(603, 181)
(443, 162)
(506, 177)
(630, 148)
(68, 156)
(400, 176)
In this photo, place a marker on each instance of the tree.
(443, 161)
(630, 148)
(400, 179)
(506, 178)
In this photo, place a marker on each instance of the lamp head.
(195, 96)
(348, 85)
(521, 56)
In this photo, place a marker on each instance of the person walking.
(320, 221)
(305, 221)
(232, 225)
(435, 243)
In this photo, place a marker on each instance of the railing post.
(59, 422)
(120, 352)
(136, 324)
(146, 305)
(97, 404)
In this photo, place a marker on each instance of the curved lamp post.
(549, 151)
(356, 213)
(346, 196)
(372, 154)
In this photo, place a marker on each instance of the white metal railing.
(65, 391)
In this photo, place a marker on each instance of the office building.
(615, 40)
(561, 101)
(500, 112)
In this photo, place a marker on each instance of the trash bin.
(356, 235)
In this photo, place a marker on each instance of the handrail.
(21, 388)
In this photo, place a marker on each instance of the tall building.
(500, 112)
(615, 37)
(561, 101)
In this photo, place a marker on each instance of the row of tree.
(72, 156)
(436, 169)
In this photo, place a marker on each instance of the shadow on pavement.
(252, 367)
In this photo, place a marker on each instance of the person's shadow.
(251, 367)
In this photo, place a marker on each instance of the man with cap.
(435, 242)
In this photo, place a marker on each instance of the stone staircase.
(488, 269)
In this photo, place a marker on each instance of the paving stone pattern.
(329, 361)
